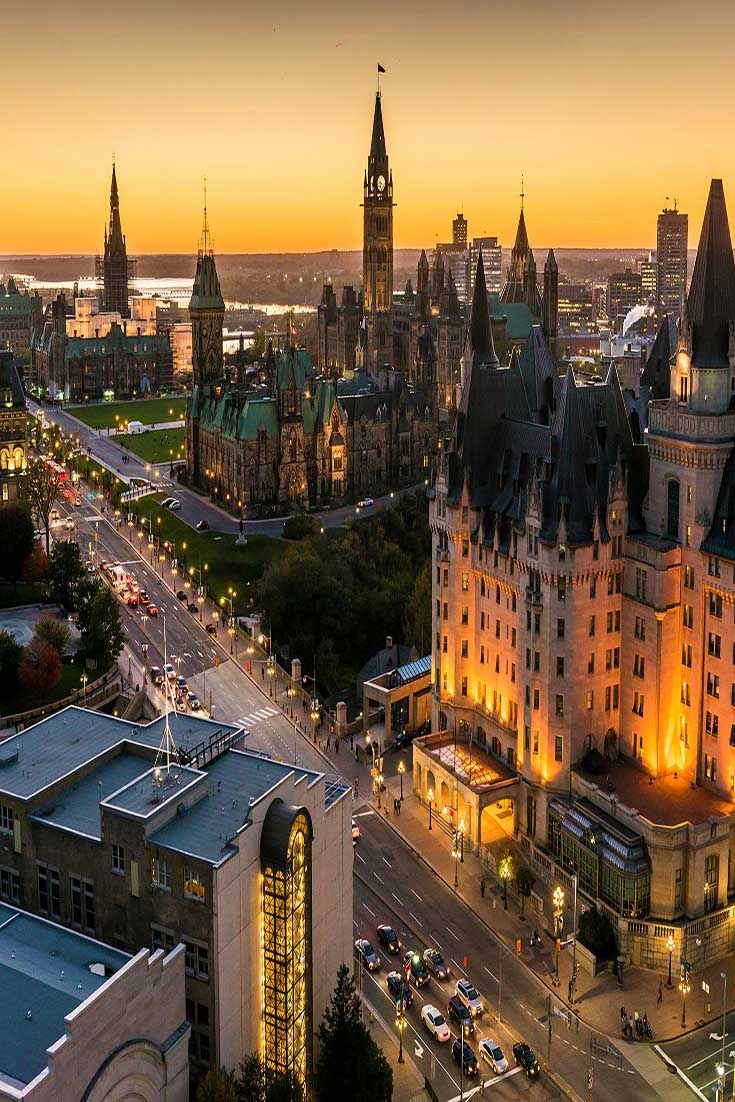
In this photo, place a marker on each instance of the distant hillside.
(297, 278)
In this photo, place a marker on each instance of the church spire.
(115, 235)
(481, 333)
(378, 159)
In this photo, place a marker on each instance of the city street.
(698, 1055)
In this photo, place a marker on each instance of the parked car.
(465, 1057)
(193, 701)
(143, 597)
(202, 526)
(492, 1053)
(152, 610)
(470, 996)
(181, 684)
(193, 607)
(355, 832)
(458, 1013)
(156, 675)
(524, 1058)
(169, 671)
(402, 741)
(388, 938)
(182, 595)
(211, 629)
(434, 961)
(367, 954)
(54, 514)
(166, 502)
(132, 600)
(174, 506)
(69, 524)
(365, 502)
(419, 975)
(399, 989)
(435, 1022)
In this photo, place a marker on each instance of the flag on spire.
(380, 68)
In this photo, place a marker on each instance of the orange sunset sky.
(606, 109)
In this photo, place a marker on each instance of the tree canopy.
(103, 635)
(17, 539)
(66, 571)
(43, 487)
(350, 1063)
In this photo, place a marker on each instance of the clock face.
(381, 183)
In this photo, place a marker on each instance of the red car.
(152, 610)
(132, 600)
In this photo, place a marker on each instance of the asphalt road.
(391, 886)
(698, 1054)
(194, 507)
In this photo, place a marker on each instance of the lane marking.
(491, 973)
(396, 898)
(417, 895)
(668, 1061)
(416, 920)
(362, 814)
(359, 858)
(454, 962)
(378, 878)
(368, 910)
(450, 931)
(435, 941)
(387, 862)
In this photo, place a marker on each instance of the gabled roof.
(656, 374)
(711, 301)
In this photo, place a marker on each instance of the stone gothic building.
(421, 332)
(305, 439)
(584, 625)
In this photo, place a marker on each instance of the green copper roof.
(294, 363)
(206, 293)
(520, 318)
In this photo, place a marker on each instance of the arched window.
(672, 508)
(293, 446)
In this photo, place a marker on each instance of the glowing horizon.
(277, 111)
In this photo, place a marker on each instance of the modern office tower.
(624, 291)
(648, 267)
(492, 260)
(672, 237)
(459, 230)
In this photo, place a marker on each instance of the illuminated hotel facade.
(584, 621)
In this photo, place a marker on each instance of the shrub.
(596, 933)
(299, 527)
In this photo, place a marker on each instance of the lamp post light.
(430, 795)
(400, 1025)
(723, 977)
(573, 988)
(401, 771)
(685, 988)
(84, 679)
(559, 900)
(505, 869)
(670, 945)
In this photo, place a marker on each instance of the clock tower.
(377, 251)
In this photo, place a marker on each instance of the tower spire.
(205, 246)
(523, 194)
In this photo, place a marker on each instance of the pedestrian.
(336, 746)
(395, 806)
(569, 991)
(399, 806)
(262, 673)
(622, 1014)
(357, 756)
(660, 998)
(352, 742)
(329, 739)
(482, 887)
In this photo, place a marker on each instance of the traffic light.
(518, 946)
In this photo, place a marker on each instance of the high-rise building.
(114, 268)
(575, 308)
(492, 260)
(377, 250)
(672, 239)
(648, 267)
(624, 291)
(459, 230)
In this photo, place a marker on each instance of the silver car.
(492, 1053)
(468, 994)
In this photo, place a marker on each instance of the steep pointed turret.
(206, 313)
(422, 277)
(378, 159)
(114, 266)
(711, 302)
(515, 289)
(550, 303)
(480, 336)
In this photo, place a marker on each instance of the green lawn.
(148, 410)
(23, 699)
(156, 445)
(228, 565)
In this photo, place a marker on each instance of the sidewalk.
(598, 999)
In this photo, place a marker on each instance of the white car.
(468, 994)
(491, 1051)
(435, 1022)
(365, 502)
(166, 502)
(169, 671)
(174, 505)
(355, 832)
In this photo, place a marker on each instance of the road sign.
(705, 987)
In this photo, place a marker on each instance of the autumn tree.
(54, 632)
(39, 670)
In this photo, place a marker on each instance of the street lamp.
(685, 988)
(401, 771)
(723, 977)
(400, 1024)
(573, 987)
(430, 795)
(670, 945)
(505, 871)
(84, 679)
(559, 900)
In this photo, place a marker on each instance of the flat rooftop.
(668, 801)
(40, 756)
(45, 972)
(77, 808)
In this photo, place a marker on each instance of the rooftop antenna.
(168, 752)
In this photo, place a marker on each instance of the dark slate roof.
(539, 376)
(656, 375)
(481, 334)
(206, 293)
(378, 154)
(711, 301)
(721, 537)
(551, 264)
(10, 378)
